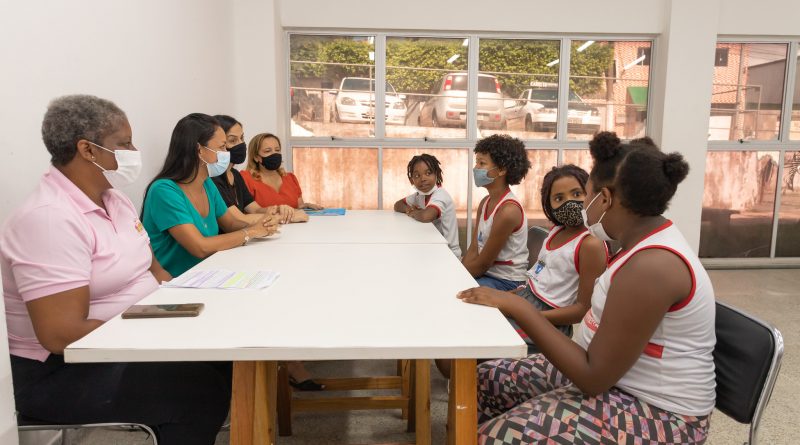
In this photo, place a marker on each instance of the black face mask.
(238, 153)
(272, 162)
(569, 213)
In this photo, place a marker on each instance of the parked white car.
(447, 106)
(355, 102)
(536, 110)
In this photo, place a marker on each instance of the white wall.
(759, 18)
(157, 60)
(259, 68)
(682, 101)
(575, 16)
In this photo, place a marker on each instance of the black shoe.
(306, 385)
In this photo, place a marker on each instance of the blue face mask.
(482, 177)
(219, 167)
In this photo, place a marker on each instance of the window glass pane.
(747, 92)
(794, 130)
(350, 178)
(609, 84)
(518, 88)
(581, 158)
(329, 84)
(429, 76)
(738, 204)
(529, 192)
(455, 173)
(788, 242)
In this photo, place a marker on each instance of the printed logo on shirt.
(589, 321)
(138, 226)
(539, 267)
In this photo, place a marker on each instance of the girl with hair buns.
(641, 368)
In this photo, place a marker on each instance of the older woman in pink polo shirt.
(75, 255)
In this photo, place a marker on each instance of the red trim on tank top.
(539, 296)
(558, 230)
(576, 255)
(654, 350)
(622, 253)
(688, 298)
(485, 214)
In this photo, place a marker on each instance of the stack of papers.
(223, 279)
(326, 212)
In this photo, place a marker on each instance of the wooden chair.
(412, 381)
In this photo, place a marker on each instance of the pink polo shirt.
(60, 240)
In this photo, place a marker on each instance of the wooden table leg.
(403, 369)
(284, 401)
(463, 405)
(254, 402)
(422, 401)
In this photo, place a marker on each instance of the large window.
(609, 83)
(440, 94)
(747, 96)
(430, 75)
(751, 208)
(332, 85)
(518, 88)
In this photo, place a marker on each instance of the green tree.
(415, 66)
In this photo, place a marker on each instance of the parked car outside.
(447, 106)
(536, 110)
(355, 102)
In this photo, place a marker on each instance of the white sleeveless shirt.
(512, 261)
(554, 277)
(675, 371)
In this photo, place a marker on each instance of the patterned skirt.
(529, 401)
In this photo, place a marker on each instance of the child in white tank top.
(560, 281)
(641, 369)
(498, 253)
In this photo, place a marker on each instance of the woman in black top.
(238, 199)
(232, 187)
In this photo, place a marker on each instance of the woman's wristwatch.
(246, 236)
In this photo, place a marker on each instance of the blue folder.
(326, 212)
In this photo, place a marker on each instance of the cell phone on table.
(163, 310)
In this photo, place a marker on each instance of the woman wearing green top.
(183, 210)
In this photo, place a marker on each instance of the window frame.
(561, 143)
(784, 143)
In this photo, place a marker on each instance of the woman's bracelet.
(246, 237)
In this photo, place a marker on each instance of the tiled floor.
(772, 295)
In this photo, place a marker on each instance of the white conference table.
(332, 301)
(359, 227)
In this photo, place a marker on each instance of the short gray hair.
(80, 116)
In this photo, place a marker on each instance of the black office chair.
(28, 424)
(536, 237)
(747, 359)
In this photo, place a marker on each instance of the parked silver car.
(447, 106)
(355, 102)
(536, 108)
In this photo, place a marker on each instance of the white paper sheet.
(224, 279)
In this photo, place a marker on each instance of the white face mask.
(596, 229)
(429, 192)
(129, 165)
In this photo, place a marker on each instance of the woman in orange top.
(266, 180)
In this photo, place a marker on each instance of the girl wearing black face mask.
(233, 188)
(266, 180)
